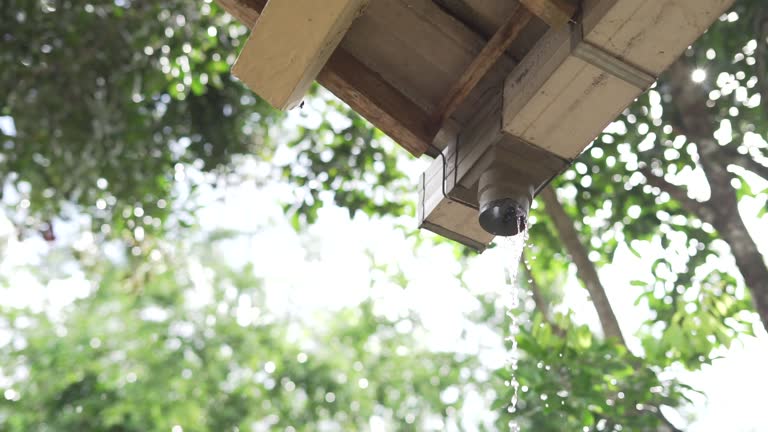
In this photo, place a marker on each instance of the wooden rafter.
(556, 13)
(375, 99)
(491, 53)
(363, 89)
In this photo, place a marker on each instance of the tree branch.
(585, 268)
(761, 54)
(746, 162)
(698, 123)
(679, 194)
(690, 116)
(587, 273)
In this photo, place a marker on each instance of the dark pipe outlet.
(504, 217)
(505, 197)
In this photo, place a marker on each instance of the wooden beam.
(397, 39)
(376, 100)
(651, 33)
(484, 61)
(558, 101)
(245, 11)
(364, 90)
(556, 13)
(290, 44)
(577, 81)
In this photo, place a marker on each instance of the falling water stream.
(512, 254)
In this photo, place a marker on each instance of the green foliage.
(347, 161)
(108, 97)
(112, 101)
(545, 257)
(163, 345)
(189, 341)
(612, 203)
(573, 381)
(690, 320)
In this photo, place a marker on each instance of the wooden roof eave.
(416, 120)
(364, 90)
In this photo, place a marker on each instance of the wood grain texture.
(482, 144)
(556, 13)
(364, 90)
(485, 60)
(289, 45)
(376, 100)
(415, 46)
(559, 102)
(650, 34)
(454, 216)
(245, 11)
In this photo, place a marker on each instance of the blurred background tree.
(163, 348)
(105, 121)
(119, 112)
(683, 166)
(188, 342)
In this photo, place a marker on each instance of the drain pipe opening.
(505, 200)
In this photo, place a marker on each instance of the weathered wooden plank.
(555, 102)
(376, 100)
(399, 39)
(484, 17)
(559, 99)
(364, 90)
(584, 101)
(650, 34)
(560, 102)
(451, 219)
(290, 44)
(485, 60)
(556, 13)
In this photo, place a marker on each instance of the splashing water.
(513, 253)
